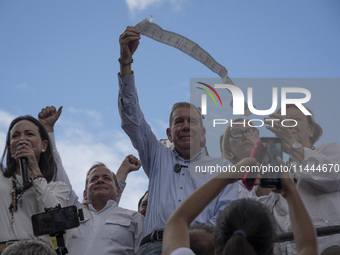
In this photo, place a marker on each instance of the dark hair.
(205, 227)
(140, 200)
(46, 163)
(95, 165)
(207, 247)
(254, 220)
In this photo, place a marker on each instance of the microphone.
(178, 167)
(23, 163)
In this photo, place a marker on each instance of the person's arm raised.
(129, 164)
(176, 232)
(128, 42)
(48, 116)
(303, 229)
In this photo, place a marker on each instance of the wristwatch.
(294, 147)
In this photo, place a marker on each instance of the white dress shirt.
(112, 230)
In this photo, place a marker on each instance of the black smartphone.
(55, 220)
(258, 152)
(270, 172)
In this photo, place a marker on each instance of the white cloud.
(5, 119)
(134, 190)
(176, 5)
(140, 5)
(159, 127)
(96, 117)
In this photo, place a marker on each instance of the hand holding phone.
(258, 152)
(270, 178)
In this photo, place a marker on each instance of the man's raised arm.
(128, 41)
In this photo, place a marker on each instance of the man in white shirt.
(106, 228)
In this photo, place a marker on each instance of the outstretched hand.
(284, 133)
(286, 181)
(48, 116)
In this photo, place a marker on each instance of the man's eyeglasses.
(237, 134)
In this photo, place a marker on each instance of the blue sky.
(65, 53)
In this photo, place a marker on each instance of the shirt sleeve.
(50, 194)
(61, 173)
(134, 123)
(229, 194)
(121, 185)
(320, 167)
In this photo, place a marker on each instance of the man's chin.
(184, 140)
(182, 145)
(102, 195)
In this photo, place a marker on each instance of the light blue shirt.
(167, 189)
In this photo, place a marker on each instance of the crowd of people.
(181, 212)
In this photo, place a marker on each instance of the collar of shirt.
(109, 203)
(198, 156)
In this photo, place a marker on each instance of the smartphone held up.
(271, 177)
(265, 151)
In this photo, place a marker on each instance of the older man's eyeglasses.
(237, 134)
